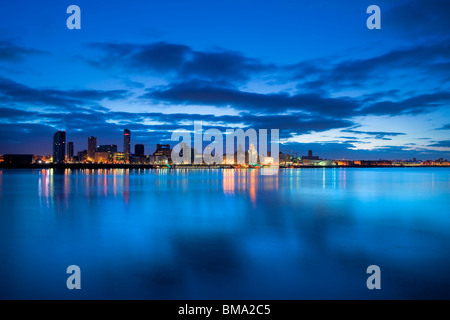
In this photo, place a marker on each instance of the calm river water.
(225, 234)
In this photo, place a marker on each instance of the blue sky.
(312, 70)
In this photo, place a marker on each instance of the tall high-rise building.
(70, 151)
(92, 147)
(59, 146)
(126, 144)
(252, 154)
(139, 150)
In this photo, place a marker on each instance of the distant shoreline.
(76, 166)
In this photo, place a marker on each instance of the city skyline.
(93, 147)
(247, 155)
(326, 81)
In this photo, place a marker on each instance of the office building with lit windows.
(59, 146)
(126, 144)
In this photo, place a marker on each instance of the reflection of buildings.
(51, 196)
(59, 146)
(250, 182)
(252, 187)
(54, 186)
(126, 144)
(228, 181)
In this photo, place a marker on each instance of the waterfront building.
(82, 156)
(92, 147)
(126, 144)
(59, 146)
(265, 160)
(118, 157)
(14, 159)
(310, 156)
(107, 148)
(163, 153)
(102, 157)
(139, 150)
(70, 151)
(252, 154)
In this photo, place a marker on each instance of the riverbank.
(152, 166)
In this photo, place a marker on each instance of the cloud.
(12, 114)
(420, 18)
(376, 134)
(93, 95)
(410, 57)
(196, 93)
(445, 144)
(179, 60)
(444, 127)
(11, 52)
(25, 138)
(12, 92)
(414, 105)
(432, 59)
(222, 65)
(181, 66)
(161, 56)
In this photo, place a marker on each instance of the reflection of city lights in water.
(44, 187)
(228, 181)
(252, 187)
(270, 183)
(334, 178)
(247, 182)
(105, 184)
(91, 182)
(323, 178)
(343, 178)
(126, 186)
(115, 182)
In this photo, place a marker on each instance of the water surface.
(225, 234)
